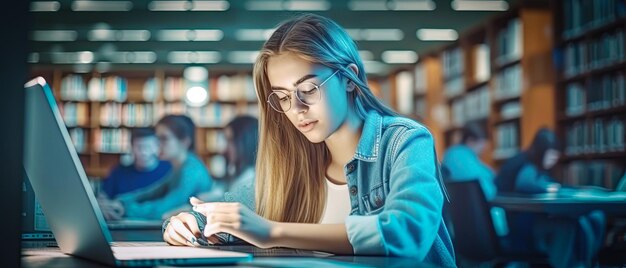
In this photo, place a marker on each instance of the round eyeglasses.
(307, 93)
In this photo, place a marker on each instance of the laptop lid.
(67, 199)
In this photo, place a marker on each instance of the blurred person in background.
(242, 135)
(187, 178)
(569, 241)
(462, 161)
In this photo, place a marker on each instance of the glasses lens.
(279, 101)
(308, 93)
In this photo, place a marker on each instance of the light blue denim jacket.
(396, 194)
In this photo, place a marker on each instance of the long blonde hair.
(290, 184)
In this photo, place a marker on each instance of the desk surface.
(52, 257)
(570, 203)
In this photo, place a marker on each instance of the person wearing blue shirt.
(462, 161)
(569, 241)
(337, 170)
(145, 169)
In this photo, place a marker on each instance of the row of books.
(453, 63)
(507, 140)
(605, 92)
(75, 113)
(597, 173)
(581, 15)
(114, 140)
(599, 135)
(211, 115)
(115, 114)
(596, 53)
(509, 42)
(510, 110)
(404, 92)
(472, 106)
(508, 82)
(110, 88)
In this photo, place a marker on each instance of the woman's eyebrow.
(302, 79)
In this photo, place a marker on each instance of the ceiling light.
(187, 57)
(53, 35)
(133, 57)
(270, 5)
(253, 34)
(366, 55)
(196, 73)
(393, 5)
(169, 5)
(399, 56)
(375, 67)
(306, 5)
(210, 5)
(44, 6)
(367, 5)
(479, 5)
(82, 57)
(437, 34)
(190, 35)
(84, 5)
(382, 34)
(243, 57)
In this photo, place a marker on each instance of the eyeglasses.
(307, 93)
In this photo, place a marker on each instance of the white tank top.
(337, 203)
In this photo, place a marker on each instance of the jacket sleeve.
(409, 222)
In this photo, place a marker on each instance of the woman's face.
(170, 146)
(550, 158)
(320, 120)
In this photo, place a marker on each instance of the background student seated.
(242, 134)
(568, 241)
(146, 167)
(188, 177)
(462, 161)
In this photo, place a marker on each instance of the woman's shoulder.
(399, 127)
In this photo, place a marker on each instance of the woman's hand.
(183, 231)
(235, 219)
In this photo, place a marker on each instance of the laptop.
(69, 204)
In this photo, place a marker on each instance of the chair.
(475, 237)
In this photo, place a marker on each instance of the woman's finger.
(217, 207)
(183, 230)
(191, 223)
(231, 218)
(175, 238)
(219, 227)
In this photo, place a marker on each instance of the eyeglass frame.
(317, 87)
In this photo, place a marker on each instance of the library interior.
(164, 106)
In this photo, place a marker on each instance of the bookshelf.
(101, 109)
(591, 90)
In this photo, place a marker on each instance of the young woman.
(337, 171)
(569, 241)
(188, 177)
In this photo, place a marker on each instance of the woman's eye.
(309, 92)
(285, 99)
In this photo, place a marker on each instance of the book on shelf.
(235, 88)
(599, 135)
(508, 82)
(509, 42)
(138, 115)
(151, 89)
(598, 173)
(474, 105)
(507, 140)
(606, 91)
(215, 141)
(73, 88)
(110, 88)
(404, 92)
(575, 99)
(79, 139)
(114, 140)
(173, 88)
(510, 110)
(111, 114)
(74, 113)
(584, 55)
(482, 68)
(454, 80)
(582, 15)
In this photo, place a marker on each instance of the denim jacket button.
(350, 167)
(353, 190)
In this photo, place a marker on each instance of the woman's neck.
(342, 144)
(178, 161)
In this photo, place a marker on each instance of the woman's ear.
(351, 85)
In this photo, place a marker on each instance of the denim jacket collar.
(369, 144)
